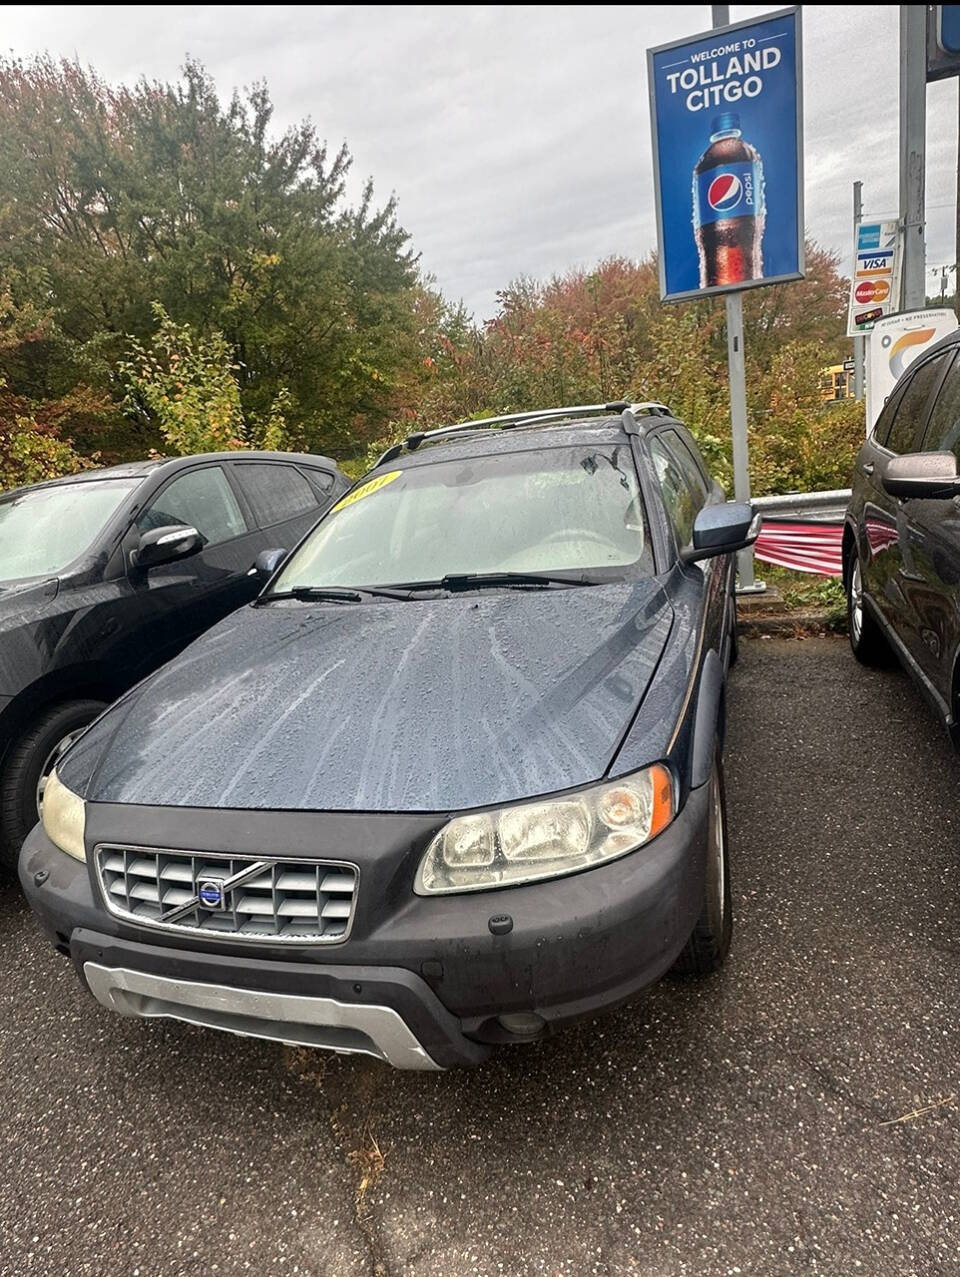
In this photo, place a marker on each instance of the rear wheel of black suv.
(709, 942)
(866, 639)
(27, 767)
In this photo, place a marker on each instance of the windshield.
(44, 529)
(572, 509)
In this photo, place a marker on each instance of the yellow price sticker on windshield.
(366, 489)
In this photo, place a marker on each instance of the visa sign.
(875, 278)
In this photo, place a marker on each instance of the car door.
(283, 502)
(171, 604)
(931, 571)
(888, 562)
(685, 493)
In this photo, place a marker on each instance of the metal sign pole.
(738, 423)
(859, 343)
(913, 125)
(720, 14)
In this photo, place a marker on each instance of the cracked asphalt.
(796, 1113)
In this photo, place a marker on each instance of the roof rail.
(648, 407)
(542, 414)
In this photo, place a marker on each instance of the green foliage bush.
(28, 455)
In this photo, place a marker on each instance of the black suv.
(901, 540)
(107, 574)
(452, 780)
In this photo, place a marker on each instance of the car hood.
(427, 705)
(16, 595)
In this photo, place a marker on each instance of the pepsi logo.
(724, 192)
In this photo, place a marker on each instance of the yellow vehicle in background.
(836, 384)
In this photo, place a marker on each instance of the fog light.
(525, 1024)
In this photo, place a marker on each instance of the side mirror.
(923, 476)
(166, 545)
(267, 562)
(721, 529)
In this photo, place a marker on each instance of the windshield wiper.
(478, 580)
(312, 594)
(332, 594)
(455, 581)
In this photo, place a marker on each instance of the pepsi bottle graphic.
(728, 206)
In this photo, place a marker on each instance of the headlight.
(64, 815)
(546, 839)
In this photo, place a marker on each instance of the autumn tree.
(186, 384)
(603, 335)
(113, 198)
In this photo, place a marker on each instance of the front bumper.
(422, 981)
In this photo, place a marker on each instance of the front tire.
(866, 639)
(28, 764)
(709, 942)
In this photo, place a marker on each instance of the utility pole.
(913, 128)
(720, 14)
(860, 342)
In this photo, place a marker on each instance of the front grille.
(300, 901)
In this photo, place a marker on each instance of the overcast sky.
(517, 139)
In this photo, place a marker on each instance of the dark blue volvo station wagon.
(452, 780)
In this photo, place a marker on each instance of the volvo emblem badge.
(211, 894)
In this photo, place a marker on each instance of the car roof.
(525, 432)
(169, 465)
(492, 442)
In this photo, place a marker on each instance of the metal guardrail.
(822, 507)
(826, 506)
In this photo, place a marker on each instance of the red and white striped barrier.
(803, 545)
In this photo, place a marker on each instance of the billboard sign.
(895, 343)
(875, 278)
(727, 119)
(943, 41)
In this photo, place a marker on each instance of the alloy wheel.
(718, 849)
(856, 602)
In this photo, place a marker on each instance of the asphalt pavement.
(797, 1113)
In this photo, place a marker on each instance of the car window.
(276, 492)
(562, 509)
(201, 499)
(911, 410)
(681, 498)
(691, 470)
(943, 430)
(887, 413)
(323, 480)
(703, 470)
(44, 529)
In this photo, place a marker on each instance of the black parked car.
(106, 575)
(452, 780)
(901, 541)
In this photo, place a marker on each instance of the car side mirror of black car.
(923, 476)
(165, 545)
(721, 529)
(267, 562)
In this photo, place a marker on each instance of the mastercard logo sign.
(872, 290)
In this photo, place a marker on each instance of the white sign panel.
(875, 278)
(893, 345)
